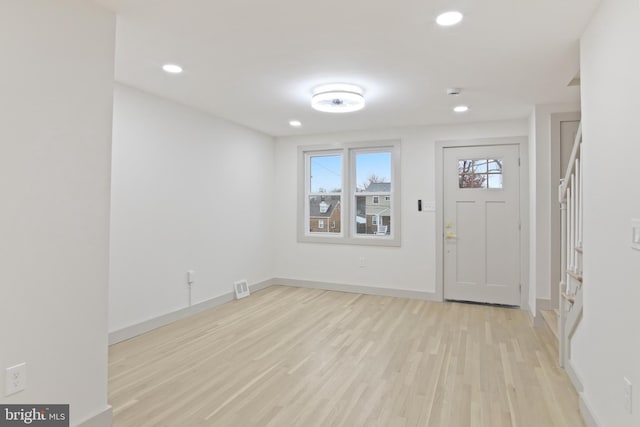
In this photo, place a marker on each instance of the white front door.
(482, 224)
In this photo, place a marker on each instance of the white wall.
(189, 192)
(608, 345)
(55, 137)
(409, 267)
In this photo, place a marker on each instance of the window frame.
(348, 229)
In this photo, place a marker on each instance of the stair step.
(576, 276)
(551, 319)
(568, 297)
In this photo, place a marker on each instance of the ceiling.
(255, 62)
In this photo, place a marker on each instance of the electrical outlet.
(15, 379)
(628, 395)
(635, 234)
(362, 262)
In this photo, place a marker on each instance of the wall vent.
(241, 288)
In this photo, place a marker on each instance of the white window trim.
(375, 200)
(321, 224)
(347, 233)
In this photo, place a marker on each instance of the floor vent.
(242, 289)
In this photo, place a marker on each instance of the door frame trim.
(523, 143)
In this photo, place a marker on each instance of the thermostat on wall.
(429, 206)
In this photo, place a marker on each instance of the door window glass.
(480, 173)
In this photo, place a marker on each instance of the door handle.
(450, 235)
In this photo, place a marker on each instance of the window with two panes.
(368, 208)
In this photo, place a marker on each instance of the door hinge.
(518, 161)
(519, 226)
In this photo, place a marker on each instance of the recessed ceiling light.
(295, 123)
(447, 19)
(460, 108)
(337, 98)
(172, 68)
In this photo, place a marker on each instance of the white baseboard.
(587, 414)
(544, 304)
(101, 419)
(573, 376)
(358, 289)
(537, 321)
(532, 318)
(165, 319)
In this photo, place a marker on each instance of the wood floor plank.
(303, 357)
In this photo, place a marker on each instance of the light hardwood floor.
(301, 357)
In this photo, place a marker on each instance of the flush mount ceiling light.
(450, 18)
(172, 68)
(337, 98)
(295, 123)
(461, 109)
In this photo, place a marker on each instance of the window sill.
(361, 241)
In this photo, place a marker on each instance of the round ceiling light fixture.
(172, 68)
(295, 123)
(450, 18)
(461, 109)
(337, 98)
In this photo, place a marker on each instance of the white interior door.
(482, 224)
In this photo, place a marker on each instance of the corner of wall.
(101, 419)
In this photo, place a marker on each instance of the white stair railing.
(570, 196)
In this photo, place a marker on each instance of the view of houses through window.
(324, 214)
(325, 193)
(373, 193)
(365, 209)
